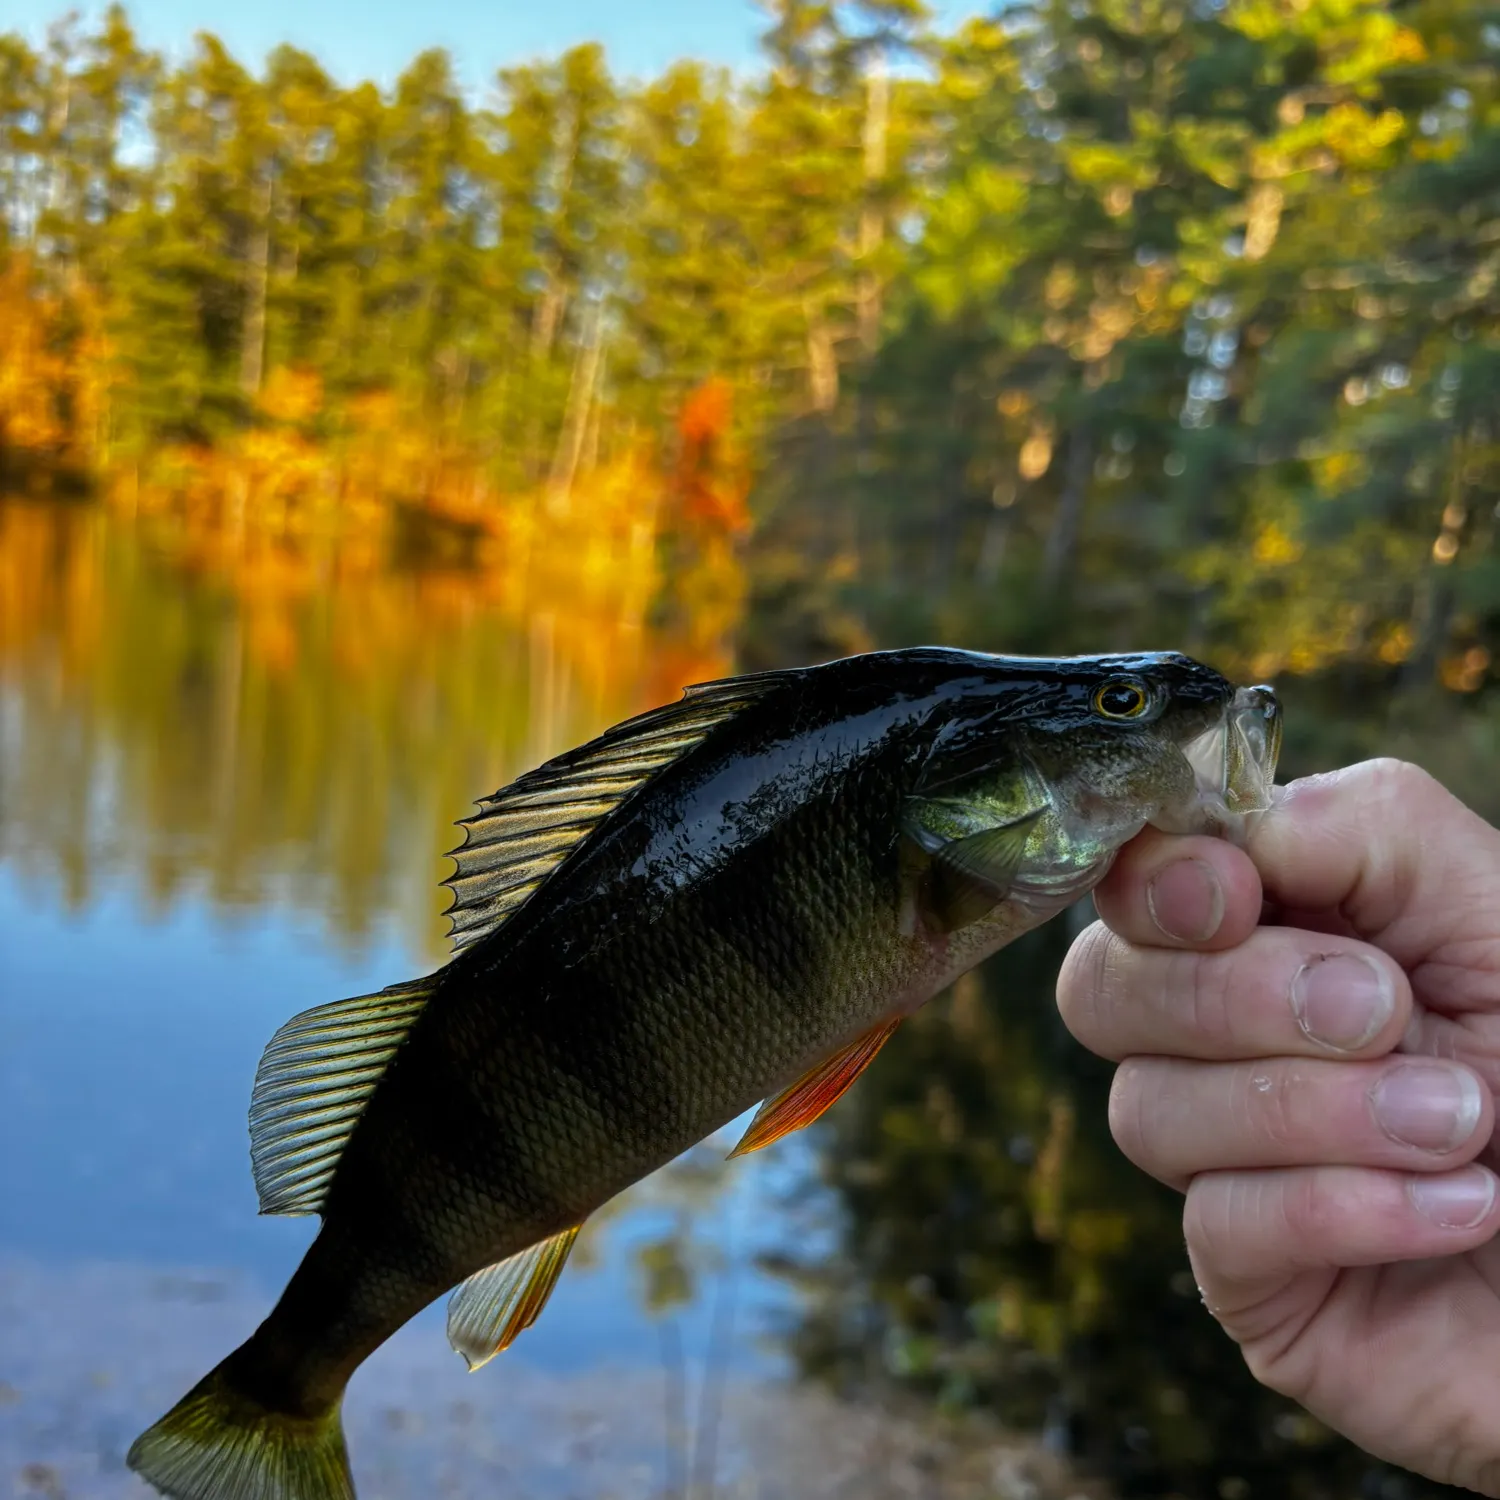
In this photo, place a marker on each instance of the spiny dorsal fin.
(311, 1086)
(816, 1091)
(526, 830)
(495, 1305)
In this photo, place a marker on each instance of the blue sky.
(376, 38)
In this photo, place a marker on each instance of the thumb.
(1384, 851)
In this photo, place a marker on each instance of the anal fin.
(817, 1090)
(494, 1306)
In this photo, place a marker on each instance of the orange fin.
(495, 1305)
(819, 1088)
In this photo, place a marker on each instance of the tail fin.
(219, 1444)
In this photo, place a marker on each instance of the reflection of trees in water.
(283, 727)
(998, 1252)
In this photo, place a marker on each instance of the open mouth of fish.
(1234, 764)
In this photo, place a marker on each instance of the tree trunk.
(872, 214)
(576, 415)
(822, 363)
(257, 286)
(1062, 541)
(1433, 604)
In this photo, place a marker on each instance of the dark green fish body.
(660, 930)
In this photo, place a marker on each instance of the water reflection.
(290, 731)
(225, 786)
(226, 779)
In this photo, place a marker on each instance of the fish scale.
(729, 900)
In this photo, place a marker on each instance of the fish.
(729, 901)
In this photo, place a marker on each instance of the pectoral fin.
(495, 1305)
(801, 1103)
(968, 877)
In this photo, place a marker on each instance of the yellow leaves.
(1216, 148)
(1340, 470)
(52, 361)
(970, 252)
(292, 396)
(1035, 457)
(1301, 600)
(1061, 285)
(1406, 46)
(997, 190)
(1117, 173)
(1360, 51)
(1357, 39)
(1395, 645)
(1102, 164)
(1262, 219)
(1466, 673)
(1358, 138)
(1276, 548)
(1110, 320)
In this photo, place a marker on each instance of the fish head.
(1091, 750)
(1157, 738)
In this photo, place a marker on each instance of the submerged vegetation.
(398, 438)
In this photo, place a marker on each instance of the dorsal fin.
(527, 829)
(311, 1085)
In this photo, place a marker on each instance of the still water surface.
(227, 777)
(223, 798)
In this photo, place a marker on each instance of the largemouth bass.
(730, 900)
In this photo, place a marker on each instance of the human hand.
(1320, 1081)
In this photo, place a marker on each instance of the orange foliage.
(711, 480)
(308, 493)
(280, 517)
(52, 361)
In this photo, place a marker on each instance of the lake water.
(227, 776)
(223, 798)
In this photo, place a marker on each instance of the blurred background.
(377, 421)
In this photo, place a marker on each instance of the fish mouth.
(1234, 764)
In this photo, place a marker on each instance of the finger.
(1279, 993)
(1169, 891)
(1400, 860)
(1175, 1119)
(1249, 1233)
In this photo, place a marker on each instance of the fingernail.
(1186, 901)
(1427, 1105)
(1341, 999)
(1458, 1201)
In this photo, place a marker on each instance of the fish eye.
(1124, 698)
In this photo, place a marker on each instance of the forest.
(1087, 324)
(1090, 321)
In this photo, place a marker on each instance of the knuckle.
(1274, 1101)
(1129, 1113)
(1394, 782)
(1083, 980)
(1269, 1362)
(1208, 981)
(1091, 984)
(1209, 1224)
(1308, 1211)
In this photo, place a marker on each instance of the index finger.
(1170, 891)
